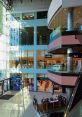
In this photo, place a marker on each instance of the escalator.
(75, 98)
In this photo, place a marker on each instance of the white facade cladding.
(71, 3)
(30, 6)
(56, 4)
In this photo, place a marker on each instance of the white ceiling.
(30, 6)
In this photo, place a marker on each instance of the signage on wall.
(48, 55)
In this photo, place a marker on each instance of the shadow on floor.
(6, 97)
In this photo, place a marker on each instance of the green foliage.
(1, 18)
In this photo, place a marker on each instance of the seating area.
(51, 104)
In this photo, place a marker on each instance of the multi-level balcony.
(63, 79)
(66, 36)
(60, 41)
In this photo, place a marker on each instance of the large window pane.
(27, 59)
(27, 36)
(41, 60)
(77, 18)
(28, 16)
(41, 14)
(43, 35)
(30, 60)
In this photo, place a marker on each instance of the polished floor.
(20, 105)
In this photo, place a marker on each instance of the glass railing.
(62, 68)
(56, 33)
(57, 68)
(63, 31)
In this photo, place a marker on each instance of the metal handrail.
(73, 94)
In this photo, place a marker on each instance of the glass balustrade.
(62, 68)
(58, 32)
(55, 34)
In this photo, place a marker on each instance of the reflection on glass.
(43, 35)
(27, 16)
(41, 60)
(62, 67)
(27, 36)
(41, 14)
(26, 60)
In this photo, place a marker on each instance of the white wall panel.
(71, 3)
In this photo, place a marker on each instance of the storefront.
(15, 83)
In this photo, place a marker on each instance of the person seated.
(51, 99)
(43, 100)
(47, 99)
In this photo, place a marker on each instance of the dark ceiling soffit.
(63, 49)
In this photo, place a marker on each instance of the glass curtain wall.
(4, 43)
(14, 46)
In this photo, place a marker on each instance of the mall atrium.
(41, 58)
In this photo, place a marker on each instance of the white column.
(70, 19)
(69, 60)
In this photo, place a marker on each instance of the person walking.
(35, 102)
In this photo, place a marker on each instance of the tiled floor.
(18, 106)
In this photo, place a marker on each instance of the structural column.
(70, 19)
(35, 55)
(69, 60)
(69, 68)
(69, 93)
